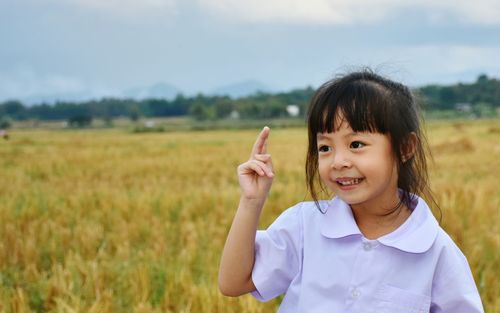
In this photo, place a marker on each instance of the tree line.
(478, 97)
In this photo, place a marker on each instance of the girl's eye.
(324, 149)
(357, 144)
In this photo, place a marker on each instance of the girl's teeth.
(349, 182)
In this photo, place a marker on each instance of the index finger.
(260, 145)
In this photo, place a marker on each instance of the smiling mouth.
(349, 182)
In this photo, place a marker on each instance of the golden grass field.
(110, 221)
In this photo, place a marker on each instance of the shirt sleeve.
(278, 255)
(454, 289)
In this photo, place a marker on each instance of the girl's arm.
(255, 179)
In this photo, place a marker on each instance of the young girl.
(375, 247)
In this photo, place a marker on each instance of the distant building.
(463, 107)
(149, 124)
(293, 110)
(235, 115)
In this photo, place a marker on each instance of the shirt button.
(367, 246)
(355, 293)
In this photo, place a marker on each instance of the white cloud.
(126, 8)
(477, 12)
(24, 83)
(297, 11)
(483, 12)
(351, 11)
(424, 64)
(457, 59)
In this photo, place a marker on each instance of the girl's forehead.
(338, 120)
(349, 134)
(343, 131)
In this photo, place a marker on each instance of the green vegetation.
(5, 122)
(479, 99)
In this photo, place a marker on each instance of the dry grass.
(105, 221)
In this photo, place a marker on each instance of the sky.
(103, 47)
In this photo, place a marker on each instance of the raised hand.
(256, 174)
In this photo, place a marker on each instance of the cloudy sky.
(101, 47)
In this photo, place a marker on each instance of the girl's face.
(358, 167)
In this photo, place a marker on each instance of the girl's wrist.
(252, 203)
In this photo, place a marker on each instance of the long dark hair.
(371, 103)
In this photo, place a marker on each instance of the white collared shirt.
(324, 264)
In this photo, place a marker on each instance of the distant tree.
(82, 120)
(182, 104)
(41, 111)
(483, 110)
(134, 113)
(248, 108)
(108, 120)
(200, 112)
(13, 109)
(447, 98)
(484, 93)
(5, 122)
(482, 79)
(223, 107)
(273, 107)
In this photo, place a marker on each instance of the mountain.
(159, 90)
(242, 89)
(74, 97)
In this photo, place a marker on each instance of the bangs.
(362, 104)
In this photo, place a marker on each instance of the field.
(112, 221)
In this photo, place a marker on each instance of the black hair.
(371, 103)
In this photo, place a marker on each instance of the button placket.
(362, 271)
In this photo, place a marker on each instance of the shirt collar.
(415, 235)
(338, 220)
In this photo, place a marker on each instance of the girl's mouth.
(348, 181)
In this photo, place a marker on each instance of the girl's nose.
(340, 160)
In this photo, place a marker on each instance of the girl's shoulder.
(449, 251)
(452, 274)
(310, 209)
(311, 214)
(303, 212)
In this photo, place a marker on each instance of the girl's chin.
(350, 199)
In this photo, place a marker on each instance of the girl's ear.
(409, 147)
